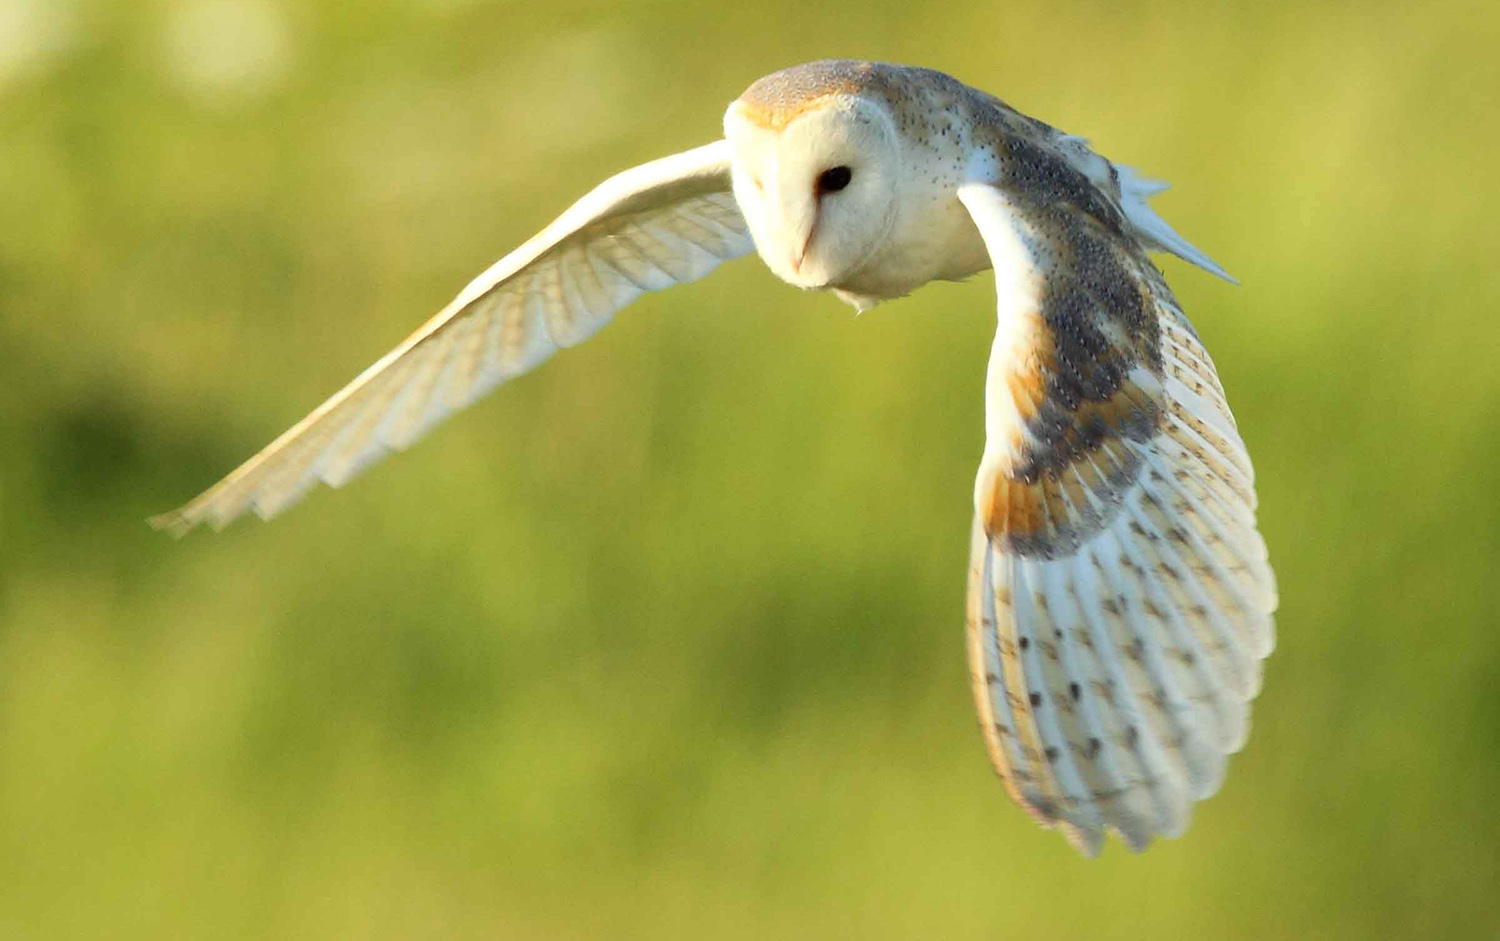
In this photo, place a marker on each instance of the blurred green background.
(665, 639)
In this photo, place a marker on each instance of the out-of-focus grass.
(665, 639)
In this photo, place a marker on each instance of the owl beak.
(802, 253)
(797, 214)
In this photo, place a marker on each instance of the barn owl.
(1119, 595)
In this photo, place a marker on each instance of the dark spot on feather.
(1045, 177)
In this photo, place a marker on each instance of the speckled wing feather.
(1120, 598)
(663, 223)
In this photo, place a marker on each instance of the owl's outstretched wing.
(663, 223)
(1120, 598)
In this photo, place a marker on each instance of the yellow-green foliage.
(666, 639)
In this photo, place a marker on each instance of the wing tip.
(175, 523)
(1088, 841)
(183, 520)
(1212, 267)
(1135, 190)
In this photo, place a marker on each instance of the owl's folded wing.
(663, 223)
(1120, 598)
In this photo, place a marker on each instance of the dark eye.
(833, 180)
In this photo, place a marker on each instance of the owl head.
(815, 172)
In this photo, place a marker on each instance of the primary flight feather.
(1120, 599)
